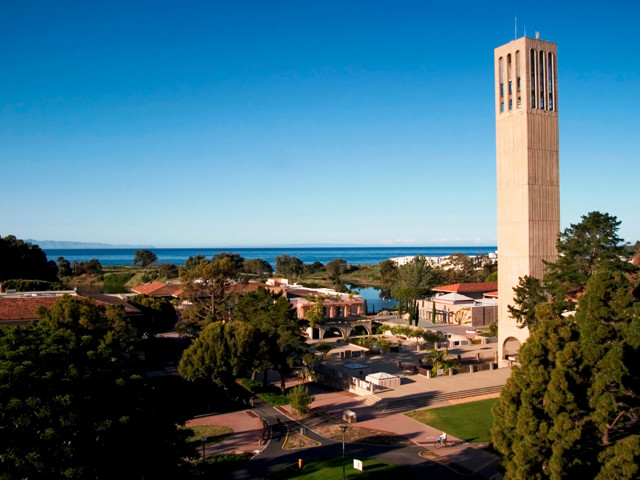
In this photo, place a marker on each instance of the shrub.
(213, 467)
(115, 282)
(300, 399)
(22, 285)
(377, 328)
(274, 399)
(269, 393)
(324, 348)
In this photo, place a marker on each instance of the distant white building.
(399, 261)
(442, 261)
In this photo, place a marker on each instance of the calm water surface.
(177, 256)
(376, 299)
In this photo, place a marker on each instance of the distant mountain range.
(59, 244)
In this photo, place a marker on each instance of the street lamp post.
(344, 429)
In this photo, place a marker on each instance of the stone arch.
(511, 347)
(359, 330)
(333, 332)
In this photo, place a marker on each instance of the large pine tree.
(571, 410)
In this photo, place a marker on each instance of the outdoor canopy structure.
(383, 379)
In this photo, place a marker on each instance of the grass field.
(332, 469)
(214, 434)
(470, 422)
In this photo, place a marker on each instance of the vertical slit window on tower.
(518, 69)
(509, 75)
(533, 78)
(550, 80)
(501, 67)
(541, 76)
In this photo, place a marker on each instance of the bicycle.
(441, 443)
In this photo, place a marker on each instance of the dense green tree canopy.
(23, 260)
(582, 247)
(159, 315)
(263, 334)
(257, 266)
(572, 408)
(335, 268)
(280, 341)
(312, 268)
(64, 267)
(168, 270)
(414, 280)
(22, 285)
(206, 285)
(221, 353)
(144, 257)
(92, 266)
(236, 260)
(289, 267)
(388, 273)
(75, 404)
(315, 314)
(193, 261)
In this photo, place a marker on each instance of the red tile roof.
(242, 288)
(158, 289)
(14, 310)
(147, 288)
(468, 287)
(491, 294)
(105, 300)
(23, 309)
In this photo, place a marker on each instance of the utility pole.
(344, 429)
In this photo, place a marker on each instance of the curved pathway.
(273, 457)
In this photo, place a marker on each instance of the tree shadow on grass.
(373, 466)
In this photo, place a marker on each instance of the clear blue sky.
(251, 123)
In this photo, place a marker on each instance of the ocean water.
(177, 256)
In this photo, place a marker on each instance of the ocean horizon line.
(352, 255)
(328, 246)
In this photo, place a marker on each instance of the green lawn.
(332, 469)
(470, 422)
(269, 394)
(214, 434)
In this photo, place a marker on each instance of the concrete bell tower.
(526, 92)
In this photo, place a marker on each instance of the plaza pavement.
(472, 457)
(246, 436)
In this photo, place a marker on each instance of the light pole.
(344, 429)
(204, 441)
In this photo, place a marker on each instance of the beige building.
(526, 92)
(472, 304)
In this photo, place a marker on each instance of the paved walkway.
(413, 384)
(247, 431)
(472, 458)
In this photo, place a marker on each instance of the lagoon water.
(352, 255)
(376, 299)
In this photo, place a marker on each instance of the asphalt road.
(273, 457)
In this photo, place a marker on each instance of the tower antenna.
(515, 36)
